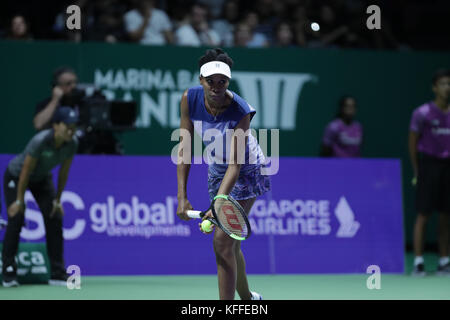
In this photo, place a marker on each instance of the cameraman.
(64, 82)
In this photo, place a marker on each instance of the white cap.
(215, 67)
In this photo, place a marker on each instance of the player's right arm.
(28, 166)
(184, 158)
(412, 146)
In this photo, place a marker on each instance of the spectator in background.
(19, 29)
(300, 23)
(331, 33)
(148, 25)
(284, 36)
(215, 6)
(429, 148)
(60, 28)
(242, 35)
(267, 18)
(108, 24)
(343, 136)
(224, 25)
(257, 39)
(176, 10)
(384, 38)
(195, 30)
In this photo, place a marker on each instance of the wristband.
(56, 204)
(19, 202)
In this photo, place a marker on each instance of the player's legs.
(44, 193)
(443, 238)
(12, 233)
(229, 258)
(427, 200)
(231, 262)
(224, 249)
(444, 218)
(241, 281)
(419, 233)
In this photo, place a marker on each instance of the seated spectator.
(258, 39)
(215, 6)
(331, 31)
(108, 22)
(343, 136)
(19, 29)
(242, 35)
(224, 26)
(266, 11)
(60, 28)
(284, 35)
(176, 10)
(195, 30)
(300, 23)
(385, 38)
(148, 25)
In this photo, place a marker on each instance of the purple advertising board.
(321, 216)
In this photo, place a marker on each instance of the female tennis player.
(212, 110)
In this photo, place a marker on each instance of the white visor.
(215, 67)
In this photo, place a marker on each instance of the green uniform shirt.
(42, 147)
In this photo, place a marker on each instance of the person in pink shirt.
(343, 136)
(429, 148)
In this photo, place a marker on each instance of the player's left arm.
(237, 155)
(63, 174)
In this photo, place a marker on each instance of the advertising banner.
(321, 216)
(32, 261)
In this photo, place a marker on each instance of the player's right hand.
(183, 206)
(14, 209)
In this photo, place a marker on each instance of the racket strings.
(230, 217)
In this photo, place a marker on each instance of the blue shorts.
(249, 184)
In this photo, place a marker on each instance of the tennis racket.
(228, 215)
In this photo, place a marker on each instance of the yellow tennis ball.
(206, 226)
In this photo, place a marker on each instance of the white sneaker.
(56, 282)
(256, 296)
(59, 279)
(10, 284)
(419, 271)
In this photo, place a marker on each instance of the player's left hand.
(205, 232)
(206, 216)
(57, 209)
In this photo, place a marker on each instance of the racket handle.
(195, 214)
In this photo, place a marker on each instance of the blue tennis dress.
(216, 134)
